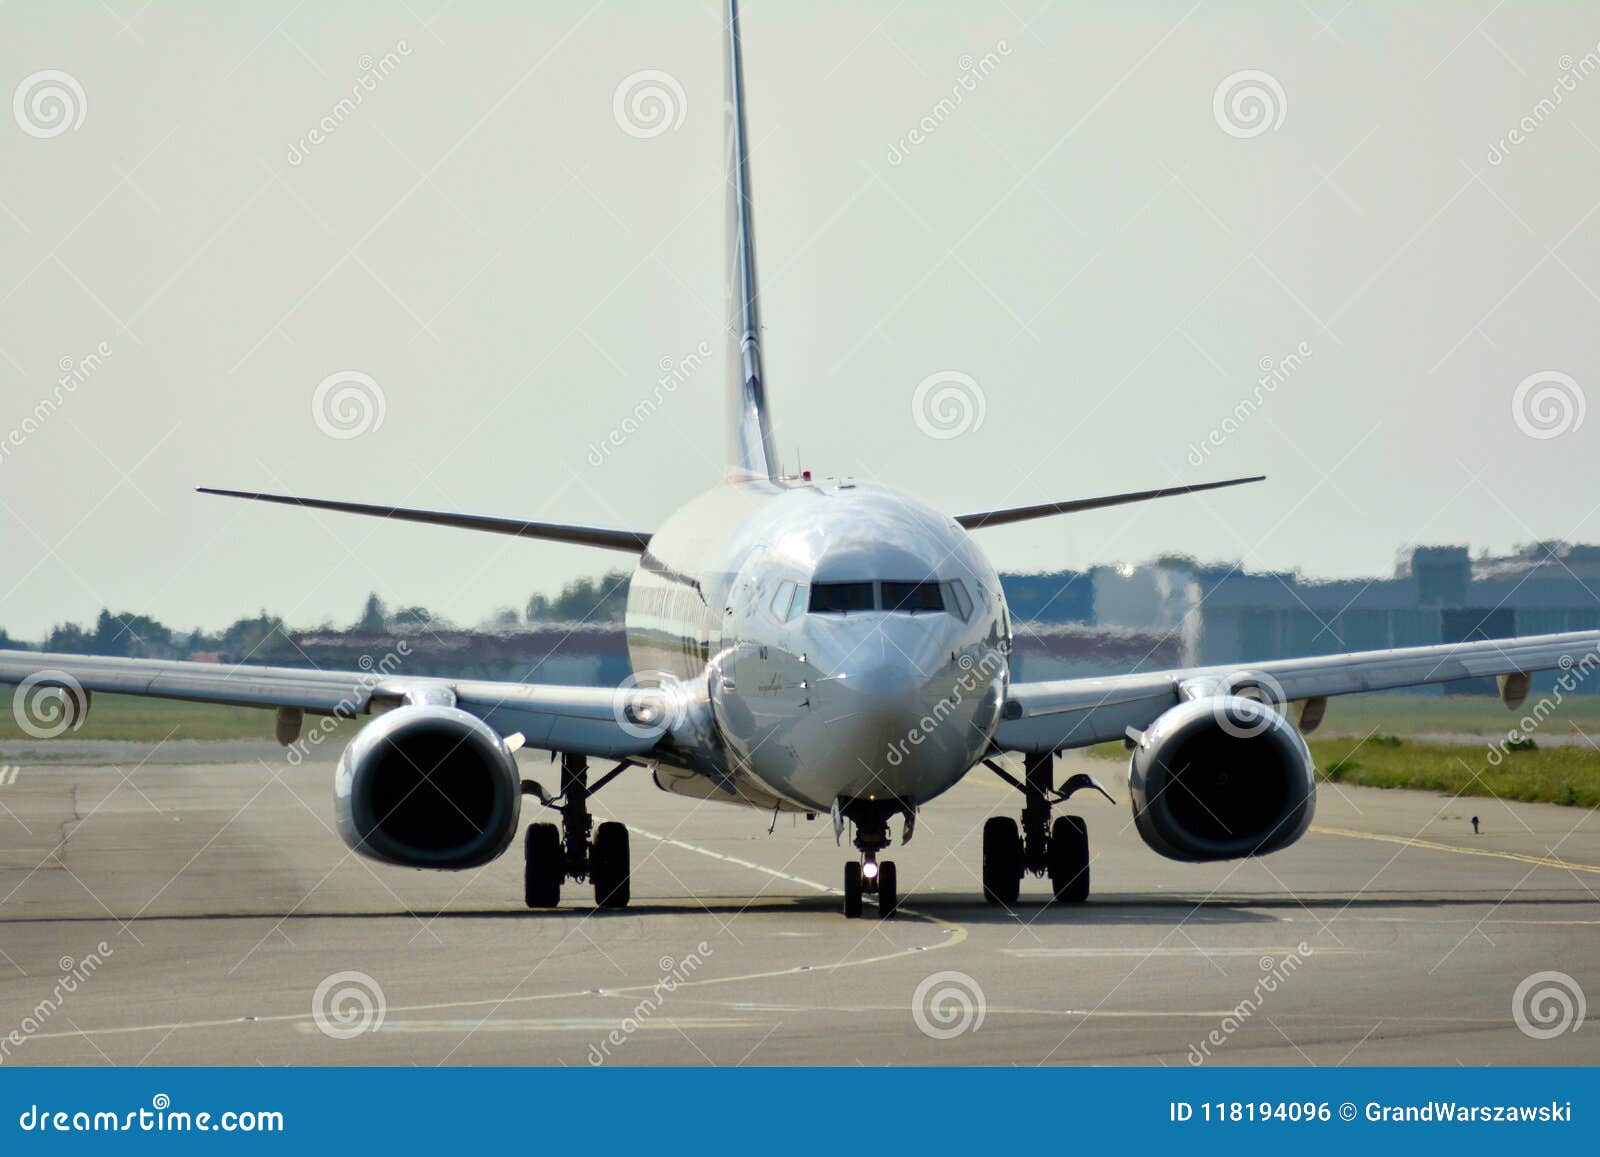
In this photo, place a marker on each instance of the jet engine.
(428, 786)
(1221, 777)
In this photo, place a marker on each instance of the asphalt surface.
(206, 913)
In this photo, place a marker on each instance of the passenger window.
(782, 601)
(912, 597)
(840, 598)
(959, 599)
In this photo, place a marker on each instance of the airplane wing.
(600, 721)
(633, 541)
(1052, 716)
(1075, 505)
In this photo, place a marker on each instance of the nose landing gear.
(870, 876)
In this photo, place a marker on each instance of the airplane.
(808, 646)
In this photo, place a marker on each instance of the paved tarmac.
(205, 912)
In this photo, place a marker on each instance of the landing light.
(870, 870)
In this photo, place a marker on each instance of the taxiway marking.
(954, 935)
(1430, 845)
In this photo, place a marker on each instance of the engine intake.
(1219, 778)
(428, 787)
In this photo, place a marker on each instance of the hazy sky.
(1093, 234)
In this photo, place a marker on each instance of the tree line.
(132, 635)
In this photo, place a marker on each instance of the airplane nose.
(884, 687)
(877, 712)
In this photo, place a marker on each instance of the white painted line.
(1177, 951)
(589, 1025)
(8, 774)
(698, 850)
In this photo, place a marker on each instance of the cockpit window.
(840, 598)
(912, 597)
(959, 599)
(782, 600)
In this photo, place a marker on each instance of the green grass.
(128, 717)
(1563, 775)
(1410, 715)
(1389, 756)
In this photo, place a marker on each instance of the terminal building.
(1219, 614)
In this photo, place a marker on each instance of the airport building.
(1220, 614)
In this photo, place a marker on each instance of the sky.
(1012, 251)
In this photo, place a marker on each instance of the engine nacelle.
(1219, 778)
(428, 787)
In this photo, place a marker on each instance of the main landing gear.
(1059, 850)
(555, 854)
(870, 876)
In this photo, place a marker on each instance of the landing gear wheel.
(888, 890)
(852, 890)
(544, 868)
(608, 865)
(1069, 859)
(1002, 860)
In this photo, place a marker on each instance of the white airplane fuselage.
(889, 697)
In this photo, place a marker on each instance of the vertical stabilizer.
(751, 452)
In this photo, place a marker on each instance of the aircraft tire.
(608, 866)
(852, 890)
(1069, 859)
(888, 890)
(1002, 860)
(544, 866)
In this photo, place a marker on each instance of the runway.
(214, 900)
